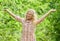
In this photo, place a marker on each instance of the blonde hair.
(34, 15)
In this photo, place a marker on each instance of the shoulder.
(35, 22)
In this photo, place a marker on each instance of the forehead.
(30, 12)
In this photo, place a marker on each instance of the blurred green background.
(48, 30)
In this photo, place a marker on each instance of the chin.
(28, 18)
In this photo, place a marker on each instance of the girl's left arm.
(44, 16)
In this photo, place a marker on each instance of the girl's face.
(29, 15)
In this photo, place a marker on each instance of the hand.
(53, 10)
(5, 9)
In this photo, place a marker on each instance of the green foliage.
(48, 30)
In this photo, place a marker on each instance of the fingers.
(53, 10)
(5, 9)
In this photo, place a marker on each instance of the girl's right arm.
(13, 15)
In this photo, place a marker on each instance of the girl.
(29, 23)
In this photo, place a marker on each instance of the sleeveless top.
(28, 31)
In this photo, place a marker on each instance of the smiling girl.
(29, 23)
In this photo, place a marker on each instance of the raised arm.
(13, 15)
(44, 16)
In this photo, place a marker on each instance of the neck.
(29, 19)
